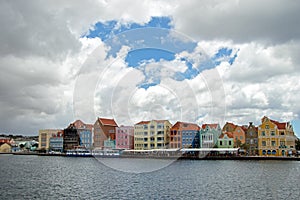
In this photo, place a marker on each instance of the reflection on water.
(29, 177)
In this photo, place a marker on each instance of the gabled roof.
(212, 126)
(186, 126)
(280, 125)
(107, 122)
(229, 135)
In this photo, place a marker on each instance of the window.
(241, 137)
(229, 142)
(263, 143)
(273, 143)
(282, 133)
(267, 126)
(273, 133)
(221, 143)
(263, 133)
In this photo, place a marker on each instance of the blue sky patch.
(224, 54)
(106, 30)
(137, 57)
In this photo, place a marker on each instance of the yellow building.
(5, 148)
(44, 138)
(153, 134)
(275, 138)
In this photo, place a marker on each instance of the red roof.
(210, 125)
(186, 126)
(142, 122)
(146, 122)
(280, 125)
(107, 122)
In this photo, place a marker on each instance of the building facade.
(275, 138)
(85, 133)
(56, 142)
(71, 138)
(252, 139)
(44, 138)
(125, 137)
(226, 140)
(154, 134)
(238, 133)
(185, 135)
(209, 135)
(104, 129)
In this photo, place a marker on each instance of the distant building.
(225, 140)
(125, 137)
(44, 138)
(185, 135)
(275, 138)
(5, 148)
(85, 133)
(209, 135)
(103, 130)
(154, 134)
(57, 142)
(238, 133)
(252, 139)
(71, 138)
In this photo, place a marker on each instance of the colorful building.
(125, 137)
(209, 135)
(44, 138)
(57, 142)
(85, 133)
(71, 138)
(252, 139)
(275, 138)
(5, 148)
(154, 134)
(238, 133)
(104, 129)
(226, 140)
(184, 135)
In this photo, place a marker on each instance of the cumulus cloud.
(51, 75)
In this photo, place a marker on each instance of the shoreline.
(164, 157)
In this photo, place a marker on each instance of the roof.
(210, 125)
(147, 122)
(185, 126)
(229, 134)
(142, 122)
(280, 125)
(107, 122)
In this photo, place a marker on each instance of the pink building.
(124, 137)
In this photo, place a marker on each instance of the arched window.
(264, 152)
(273, 152)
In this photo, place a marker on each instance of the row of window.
(224, 143)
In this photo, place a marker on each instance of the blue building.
(85, 138)
(56, 142)
(185, 135)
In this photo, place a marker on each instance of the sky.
(207, 61)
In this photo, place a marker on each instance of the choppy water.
(34, 177)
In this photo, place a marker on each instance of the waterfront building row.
(270, 138)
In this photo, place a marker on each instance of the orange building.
(238, 132)
(104, 129)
